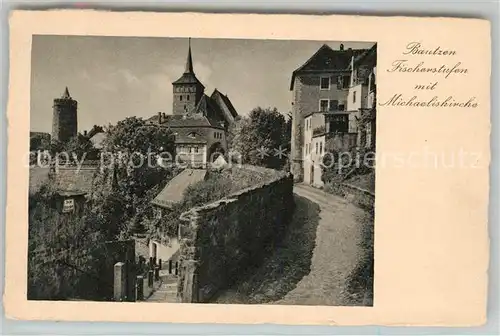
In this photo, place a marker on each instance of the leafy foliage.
(81, 147)
(262, 129)
(133, 135)
(39, 141)
(139, 176)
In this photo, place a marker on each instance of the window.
(192, 135)
(180, 97)
(323, 105)
(334, 105)
(354, 97)
(341, 107)
(325, 83)
(187, 97)
(321, 148)
(316, 148)
(346, 82)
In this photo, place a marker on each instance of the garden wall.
(222, 239)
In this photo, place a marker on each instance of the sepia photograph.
(202, 170)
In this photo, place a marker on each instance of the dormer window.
(192, 135)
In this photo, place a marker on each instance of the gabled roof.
(366, 56)
(326, 59)
(211, 110)
(225, 100)
(174, 191)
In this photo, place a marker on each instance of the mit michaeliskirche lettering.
(399, 100)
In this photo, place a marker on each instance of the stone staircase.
(167, 290)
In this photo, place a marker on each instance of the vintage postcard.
(284, 169)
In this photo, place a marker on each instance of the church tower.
(64, 121)
(188, 90)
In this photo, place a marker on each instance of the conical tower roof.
(66, 94)
(189, 61)
(188, 77)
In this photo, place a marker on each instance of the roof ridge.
(314, 55)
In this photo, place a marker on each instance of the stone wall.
(222, 239)
(363, 198)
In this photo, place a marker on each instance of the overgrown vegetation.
(116, 208)
(64, 253)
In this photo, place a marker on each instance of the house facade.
(330, 92)
(199, 121)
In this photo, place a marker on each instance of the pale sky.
(117, 77)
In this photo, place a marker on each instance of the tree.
(139, 176)
(262, 138)
(81, 147)
(133, 135)
(39, 141)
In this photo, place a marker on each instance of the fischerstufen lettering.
(443, 69)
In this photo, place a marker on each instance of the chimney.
(164, 116)
(341, 47)
(160, 119)
(84, 133)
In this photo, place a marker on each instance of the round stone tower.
(64, 121)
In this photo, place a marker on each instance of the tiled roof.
(207, 113)
(372, 52)
(174, 190)
(188, 78)
(186, 121)
(211, 110)
(182, 139)
(327, 59)
(225, 100)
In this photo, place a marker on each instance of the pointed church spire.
(189, 61)
(66, 94)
